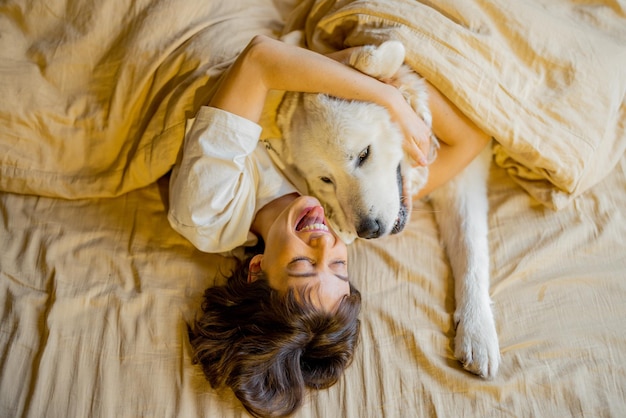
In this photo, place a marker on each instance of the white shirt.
(224, 177)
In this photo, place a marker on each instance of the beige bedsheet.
(95, 295)
(95, 291)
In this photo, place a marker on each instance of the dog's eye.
(326, 180)
(363, 156)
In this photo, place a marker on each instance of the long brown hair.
(268, 347)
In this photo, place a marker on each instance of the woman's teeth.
(314, 227)
(312, 220)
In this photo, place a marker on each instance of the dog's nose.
(370, 228)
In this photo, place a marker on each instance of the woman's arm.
(460, 140)
(268, 64)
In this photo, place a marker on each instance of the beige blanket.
(545, 78)
(95, 94)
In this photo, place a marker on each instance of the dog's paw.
(381, 61)
(295, 37)
(476, 341)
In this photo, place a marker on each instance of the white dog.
(349, 155)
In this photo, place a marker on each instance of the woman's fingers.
(416, 132)
(417, 140)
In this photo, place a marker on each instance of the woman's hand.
(416, 132)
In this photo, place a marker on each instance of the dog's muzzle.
(370, 228)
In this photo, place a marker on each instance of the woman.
(287, 318)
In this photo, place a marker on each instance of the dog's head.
(350, 156)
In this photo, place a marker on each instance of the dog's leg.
(461, 210)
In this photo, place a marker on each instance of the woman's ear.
(254, 268)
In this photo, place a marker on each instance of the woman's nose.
(321, 240)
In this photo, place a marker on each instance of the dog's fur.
(349, 155)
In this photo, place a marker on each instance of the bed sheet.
(96, 294)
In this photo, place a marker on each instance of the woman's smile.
(312, 219)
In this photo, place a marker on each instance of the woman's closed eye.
(301, 265)
(304, 266)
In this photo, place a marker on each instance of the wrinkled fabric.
(545, 78)
(95, 94)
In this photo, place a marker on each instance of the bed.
(96, 289)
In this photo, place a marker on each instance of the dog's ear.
(285, 111)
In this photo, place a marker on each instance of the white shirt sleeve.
(224, 177)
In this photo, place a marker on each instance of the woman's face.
(302, 250)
